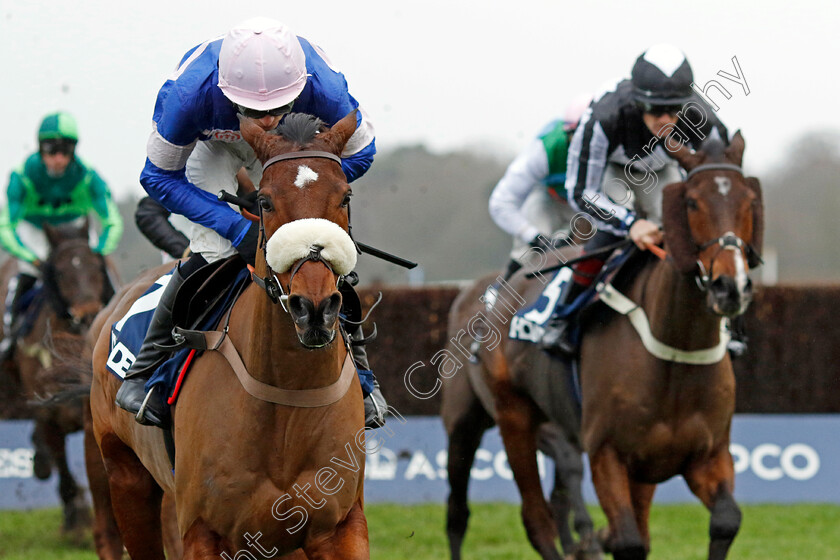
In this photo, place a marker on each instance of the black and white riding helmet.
(662, 76)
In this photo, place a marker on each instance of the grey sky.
(450, 74)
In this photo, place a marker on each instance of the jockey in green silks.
(53, 186)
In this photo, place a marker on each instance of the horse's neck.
(677, 309)
(274, 355)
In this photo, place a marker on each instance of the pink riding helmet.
(261, 65)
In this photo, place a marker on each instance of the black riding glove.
(247, 248)
(542, 242)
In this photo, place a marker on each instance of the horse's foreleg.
(713, 481)
(517, 419)
(349, 542)
(106, 534)
(642, 495)
(464, 431)
(567, 495)
(135, 498)
(172, 543)
(612, 484)
(550, 441)
(42, 460)
(76, 515)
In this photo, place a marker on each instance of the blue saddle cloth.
(528, 323)
(28, 307)
(128, 333)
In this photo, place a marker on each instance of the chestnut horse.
(529, 394)
(252, 474)
(658, 400)
(75, 288)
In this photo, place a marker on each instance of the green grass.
(496, 532)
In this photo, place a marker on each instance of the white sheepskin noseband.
(293, 241)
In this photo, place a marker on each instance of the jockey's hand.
(247, 248)
(541, 242)
(37, 264)
(644, 233)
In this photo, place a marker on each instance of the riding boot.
(375, 405)
(513, 267)
(149, 408)
(18, 287)
(555, 340)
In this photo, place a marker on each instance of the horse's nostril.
(300, 308)
(330, 309)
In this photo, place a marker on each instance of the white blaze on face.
(724, 185)
(741, 276)
(305, 176)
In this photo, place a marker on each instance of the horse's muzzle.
(727, 298)
(316, 325)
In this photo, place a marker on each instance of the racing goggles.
(659, 110)
(255, 114)
(58, 146)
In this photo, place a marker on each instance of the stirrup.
(375, 409)
(140, 417)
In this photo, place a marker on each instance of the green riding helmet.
(58, 126)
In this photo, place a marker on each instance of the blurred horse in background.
(530, 395)
(75, 285)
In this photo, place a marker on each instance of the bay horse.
(529, 394)
(254, 478)
(75, 287)
(660, 404)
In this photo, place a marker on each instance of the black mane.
(299, 128)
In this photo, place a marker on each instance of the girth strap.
(300, 398)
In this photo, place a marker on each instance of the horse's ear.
(754, 259)
(260, 140)
(338, 136)
(735, 152)
(686, 157)
(678, 240)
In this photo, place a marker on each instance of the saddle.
(203, 290)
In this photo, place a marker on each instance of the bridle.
(270, 284)
(727, 240)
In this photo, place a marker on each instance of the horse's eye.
(691, 203)
(265, 204)
(346, 201)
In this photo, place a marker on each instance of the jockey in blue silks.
(259, 70)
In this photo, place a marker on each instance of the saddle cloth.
(528, 323)
(128, 333)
